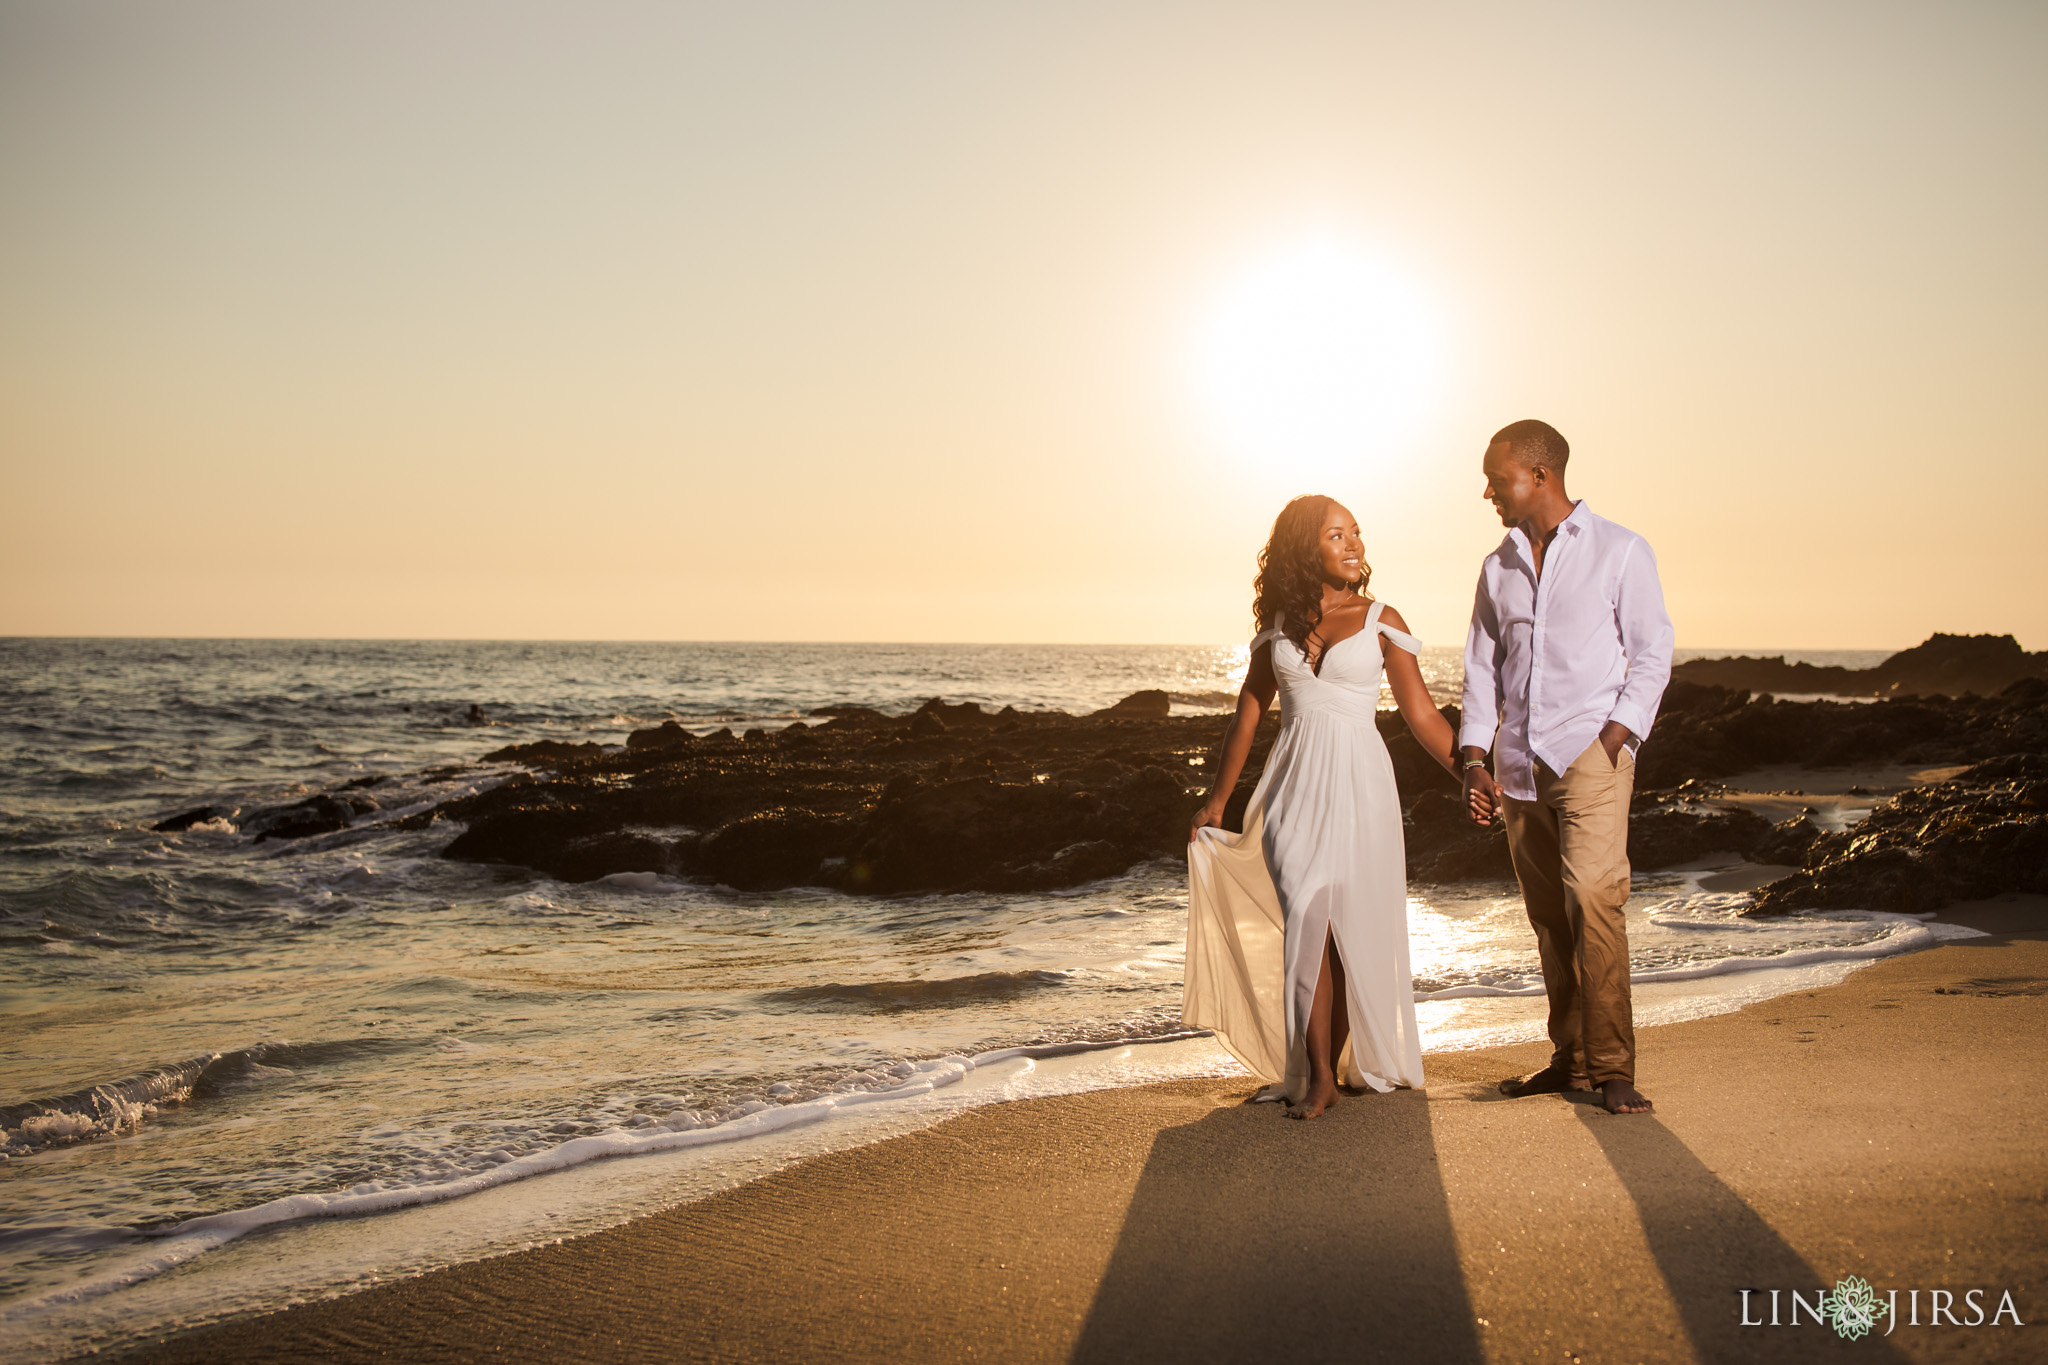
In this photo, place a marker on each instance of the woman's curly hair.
(1288, 587)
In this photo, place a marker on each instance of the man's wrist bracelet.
(1474, 763)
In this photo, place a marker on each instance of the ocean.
(235, 1075)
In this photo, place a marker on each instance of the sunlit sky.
(1007, 322)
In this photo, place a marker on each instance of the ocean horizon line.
(1730, 650)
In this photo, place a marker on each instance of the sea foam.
(1901, 934)
(176, 1245)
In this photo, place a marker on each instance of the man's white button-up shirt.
(1551, 660)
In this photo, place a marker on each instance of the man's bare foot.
(1621, 1097)
(1550, 1080)
(1320, 1097)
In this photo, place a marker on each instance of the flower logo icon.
(1853, 1308)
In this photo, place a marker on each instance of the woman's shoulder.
(1391, 625)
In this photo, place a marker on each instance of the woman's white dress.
(1321, 855)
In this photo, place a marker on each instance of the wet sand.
(1832, 798)
(1889, 1127)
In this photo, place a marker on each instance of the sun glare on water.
(1316, 359)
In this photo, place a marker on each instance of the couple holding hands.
(1297, 951)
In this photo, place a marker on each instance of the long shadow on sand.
(1251, 1236)
(1710, 1245)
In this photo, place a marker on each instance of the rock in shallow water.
(1981, 834)
(1016, 801)
(955, 798)
(184, 820)
(1150, 704)
(315, 815)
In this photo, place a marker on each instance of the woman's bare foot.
(1551, 1080)
(1321, 1095)
(1621, 1097)
(1329, 1026)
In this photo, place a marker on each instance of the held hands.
(1482, 795)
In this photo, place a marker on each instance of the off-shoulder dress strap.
(1270, 633)
(1399, 637)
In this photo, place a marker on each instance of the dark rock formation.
(547, 753)
(321, 814)
(1710, 732)
(667, 735)
(953, 712)
(1151, 704)
(952, 797)
(1445, 846)
(1787, 844)
(184, 820)
(856, 715)
(1943, 666)
(955, 797)
(1983, 833)
(1707, 732)
(1979, 835)
(1026, 836)
(1663, 831)
(1664, 836)
(759, 850)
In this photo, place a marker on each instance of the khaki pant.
(1570, 848)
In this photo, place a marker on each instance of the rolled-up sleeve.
(1480, 707)
(1646, 640)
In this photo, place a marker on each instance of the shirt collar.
(1580, 520)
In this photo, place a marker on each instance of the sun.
(1315, 360)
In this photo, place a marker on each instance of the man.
(1565, 663)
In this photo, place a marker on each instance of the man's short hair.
(1533, 443)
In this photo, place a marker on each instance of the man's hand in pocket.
(1612, 736)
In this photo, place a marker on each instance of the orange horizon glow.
(634, 321)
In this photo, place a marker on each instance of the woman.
(1298, 928)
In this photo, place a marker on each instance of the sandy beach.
(1887, 1128)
